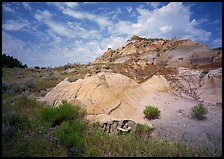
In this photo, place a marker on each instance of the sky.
(51, 34)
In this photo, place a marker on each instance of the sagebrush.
(151, 112)
(199, 111)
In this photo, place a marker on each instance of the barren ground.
(176, 122)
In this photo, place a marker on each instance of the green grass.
(64, 112)
(99, 144)
(27, 128)
(143, 131)
(151, 112)
(23, 133)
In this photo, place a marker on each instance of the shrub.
(151, 112)
(205, 71)
(143, 131)
(65, 112)
(199, 111)
(27, 84)
(157, 50)
(70, 135)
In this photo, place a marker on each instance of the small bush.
(199, 111)
(205, 71)
(157, 50)
(151, 112)
(70, 135)
(143, 131)
(65, 112)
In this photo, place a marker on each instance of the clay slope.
(141, 58)
(197, 85)
(105, 94)
(161, 52)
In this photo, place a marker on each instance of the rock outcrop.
(141, 58)
(119, 126)
(169, 53)
(119, 79)
(197, 85)
(107, 94)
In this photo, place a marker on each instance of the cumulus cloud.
(166, 22)
(69, 41)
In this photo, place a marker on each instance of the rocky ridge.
(117, 80)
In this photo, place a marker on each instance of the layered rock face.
(140, 58)
(141, 67)
(197, 85)
(103, 94)
(169, 53)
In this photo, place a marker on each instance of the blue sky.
(57, 33)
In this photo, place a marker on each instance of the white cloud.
(42, 15)
(7, 8)
(101, 21)
(90, 2)
(17, 48)
(12, 25)
(69, 41)
(64, 5)
(165, 29)
(45, 17)
(112, 42)
(27, 6)
(129, 9)
(166, 22)
(59, 29)
(71, 4)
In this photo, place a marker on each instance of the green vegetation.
(101, 144)
(199, 111)
(205, 71)
(143, 131)
(70, 135)
(27, 130)
(70, 122)
(135, 37)
(23, 133)
(11, 62)
(64, 112)
(151, 112)
(34, 129)
(157, 49)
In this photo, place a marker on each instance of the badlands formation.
(173, 75)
